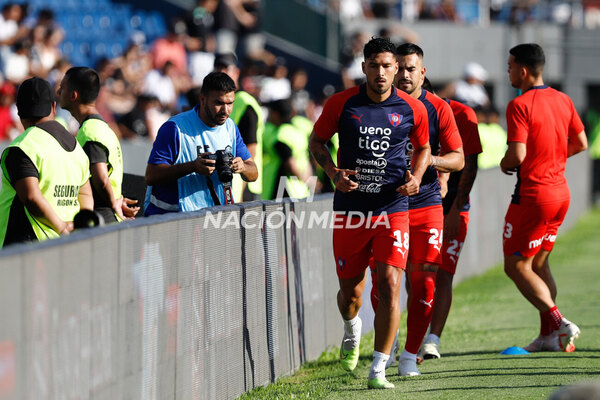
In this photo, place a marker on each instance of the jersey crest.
(395, 119)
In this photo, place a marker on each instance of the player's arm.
(452, 161)
(577, 144)
(340, 177)
(28, 191)
(85, 197)
(515, 154)
(453, 157)
(443, 178)
(465, 184)
(421, 159)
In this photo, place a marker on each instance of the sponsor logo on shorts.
(538, 242)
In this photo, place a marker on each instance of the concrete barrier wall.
(193, 306)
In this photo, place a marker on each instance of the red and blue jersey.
(373, 138)
(443, 138)
(466, 120)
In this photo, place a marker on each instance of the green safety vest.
(61, 174)
(493, 144)
(242, 101)
(97, 130)
(593, 121)
(297, 141)
(306, 126)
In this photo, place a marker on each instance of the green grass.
(488, 315)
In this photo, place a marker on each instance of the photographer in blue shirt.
(191, 146)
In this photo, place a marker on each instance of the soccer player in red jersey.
(456, 220)
(374, 121)
(425, 208)
(543, 131)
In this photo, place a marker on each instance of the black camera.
(223, 160)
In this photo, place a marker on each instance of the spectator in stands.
(470, 89)
(286, 157)
(17, 64)
(141, 121)
(160, 84)
(240, 19)
(7, 121)
(300, 96)
(44, 50)
(351, 10)
(134, 63)
(199, 24)
(352, 59)
(170, 48)
(179, 173)
(44, 172)
(276, 85)
(78, 92)
(248, 116)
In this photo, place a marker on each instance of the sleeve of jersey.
(166, 146)
(240, 147)
(576, 126)
(449, 136)
(516, 122)
(467, 126)
(419, 135)
(327, 124)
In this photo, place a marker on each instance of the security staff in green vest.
(492, 136)
(248, 116)
(44, 172)
(306, 125)
(78, 92)
(285, 155)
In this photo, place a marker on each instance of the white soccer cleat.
(567, 333)
(429, 351)
(408, 367)
(544, 343)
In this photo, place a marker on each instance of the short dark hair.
(84, 81)
(406, 49)
(530, 55)
(378, 45)
(218, 82)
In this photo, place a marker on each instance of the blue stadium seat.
(468, 10)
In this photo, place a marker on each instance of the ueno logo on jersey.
(395, 119)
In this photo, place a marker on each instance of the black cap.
(225, 59)
(34, 98)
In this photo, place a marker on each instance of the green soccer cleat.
(380, 383)
(349, 348)
(349, 358)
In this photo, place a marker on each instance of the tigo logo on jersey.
(395, 119)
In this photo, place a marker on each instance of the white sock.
(408, 356)
(378, 366)
(352, 326)
(432, 338)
